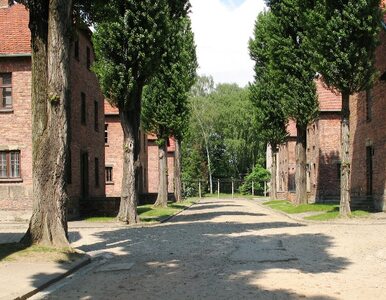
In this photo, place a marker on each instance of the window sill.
(109, 183)
(6, 110)
(107, 145)
(11, 180)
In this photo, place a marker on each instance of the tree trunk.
(301, 160)
(209, 169)
(130, 122)
(344, 208)
(162, 198)
(273, 193)
(51, 28)
(177, 172)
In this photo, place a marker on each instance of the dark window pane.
(15, 165)
(7, 78)
(109, 174)
(96, 172)
(96, 116)
(106, 134)
(83, 108)
(3, 165)
(88, 58)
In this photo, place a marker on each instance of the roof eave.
(15, 55)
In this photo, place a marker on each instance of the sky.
(222, 30)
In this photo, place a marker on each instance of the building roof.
(110, 110)
(15, 36)
(328, 100)
(291, 128)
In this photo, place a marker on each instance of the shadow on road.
(201, 260)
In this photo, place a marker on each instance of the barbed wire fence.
(224, 186)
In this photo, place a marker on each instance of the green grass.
(289, 208)
(148, 213)
(331, 215)
(18, 252)
(327, 211)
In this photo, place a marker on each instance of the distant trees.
(343, 36)
(266, 92)
(165, 107)
(129, 45)
(222, 140)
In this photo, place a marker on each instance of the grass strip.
(331, 215)
(327, 211)
(17, 252)
(149, 213)
(290, 208)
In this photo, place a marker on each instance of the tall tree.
(343, 36)
(165, 107)
(266, 92)
(129, 44)
(300, 100)
(51, 25)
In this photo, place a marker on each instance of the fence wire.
(227, 186)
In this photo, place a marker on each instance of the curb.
(75, 266)
(164, 220)
(312, 222)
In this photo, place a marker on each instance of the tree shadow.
(205, 260)
(13, 246)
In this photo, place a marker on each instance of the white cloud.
(222, 32)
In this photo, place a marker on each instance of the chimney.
(4, 3)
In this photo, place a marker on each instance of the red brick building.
(323, 146)
(86, 118)
(368, 140)
(148, 183)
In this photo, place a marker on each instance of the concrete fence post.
(233, 188)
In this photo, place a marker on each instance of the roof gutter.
(15, 55)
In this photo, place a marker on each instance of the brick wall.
(323, 146)
(15, 126)
(153, 176)
(369, 132)
(86, 138)
(15, 133)
(114, 154)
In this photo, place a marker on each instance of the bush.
(258, 176)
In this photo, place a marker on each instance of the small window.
(76, 49)
(106, 134)
(96, 116)
(369, 104)
(9, 164)
(96, 172)
(83, 108)
(109, 174)
(5, 91)
(88, 58)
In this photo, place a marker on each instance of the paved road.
(230, 249)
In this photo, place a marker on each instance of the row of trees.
(294, 42)
(137, 43)
(222, 137)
